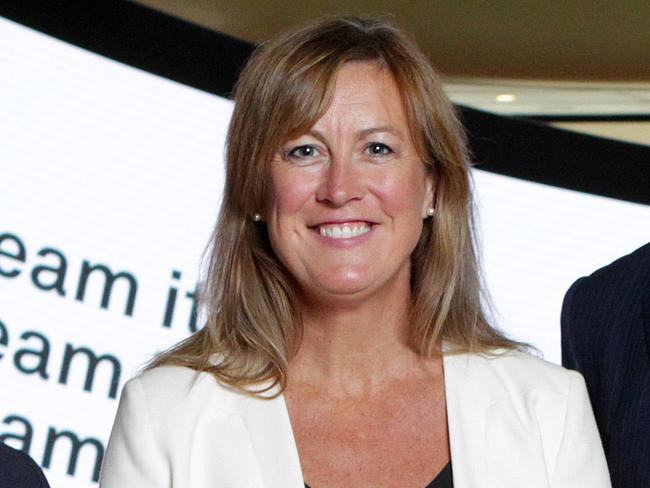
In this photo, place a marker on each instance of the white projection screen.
(111, 180)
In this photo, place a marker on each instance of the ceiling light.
(506, 98)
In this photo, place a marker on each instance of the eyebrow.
(362, 133)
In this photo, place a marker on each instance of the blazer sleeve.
(133, 457)
(581, 459)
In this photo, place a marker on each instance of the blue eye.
(378, 149)
(306, 151)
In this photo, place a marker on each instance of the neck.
(356, 346)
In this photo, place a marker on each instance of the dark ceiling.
(544, 40)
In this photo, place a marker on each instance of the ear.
(429, 194)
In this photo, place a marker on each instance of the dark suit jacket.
(606, 336)
(18, 470)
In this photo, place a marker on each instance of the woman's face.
(346, 199)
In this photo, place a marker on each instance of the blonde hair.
(283, 90)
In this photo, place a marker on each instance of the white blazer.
(514, 421)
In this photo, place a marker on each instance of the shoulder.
(17, 469)
(633, 262)
(536, 412)
(517, 384)
(597, 308)
(167, 414)
(528, 368)
(628, 273)
(515, 372)
(169, 390)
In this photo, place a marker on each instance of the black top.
(442, 480)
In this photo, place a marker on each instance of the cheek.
(403, 193)
(288, 194)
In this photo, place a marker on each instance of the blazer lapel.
(269, 429)
(467, 402)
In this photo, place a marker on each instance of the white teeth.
(344, 231)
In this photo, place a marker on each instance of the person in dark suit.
(606, 337)
(18, 470)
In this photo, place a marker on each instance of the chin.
(346, 285)
(352, 284)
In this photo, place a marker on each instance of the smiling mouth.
(345, 230)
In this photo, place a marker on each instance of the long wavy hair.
(252, 328)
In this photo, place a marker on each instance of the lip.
(347, 220)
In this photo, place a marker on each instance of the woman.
(345, 343)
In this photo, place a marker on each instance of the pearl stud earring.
(431, 211)
(257, 217)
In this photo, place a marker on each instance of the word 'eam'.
(50, 275)
(32, 357)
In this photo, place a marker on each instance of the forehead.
(365, 92)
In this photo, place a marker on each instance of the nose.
(342, 182)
